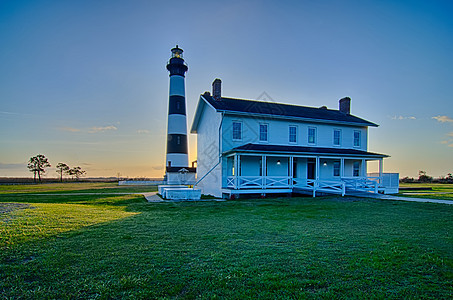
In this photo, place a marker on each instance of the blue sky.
(84, 82)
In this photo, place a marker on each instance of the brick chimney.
(217, 89)
(345, 105)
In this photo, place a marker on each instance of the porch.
(333, 173)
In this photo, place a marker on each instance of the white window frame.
(241, 132)
(314, 136)
(339, 137)
(265, 125)
(359, 139)
(295, 134)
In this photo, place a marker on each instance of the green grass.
(439, 191)
(96, 187)
(119, 246)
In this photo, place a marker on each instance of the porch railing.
(258, 182)
(367, 184)
(328, 186)
(269, 182)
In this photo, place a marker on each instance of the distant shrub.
(407, 180)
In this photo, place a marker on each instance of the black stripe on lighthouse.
(177, 105)
(177, 143)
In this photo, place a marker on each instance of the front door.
(311, 168)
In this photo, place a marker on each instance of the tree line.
(38, 164)
(423, 177)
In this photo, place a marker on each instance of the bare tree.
(76, 172)
(62, 168)
(37, 165)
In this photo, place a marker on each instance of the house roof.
(303, 150)
(273, 109)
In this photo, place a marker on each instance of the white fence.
(140, 182)
(274, 182)
(387, 183)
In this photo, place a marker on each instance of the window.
(336, 168)
(237, 131)
(356, 169)
(292, 134)
(311, 135)
(263, 132)
(356, 138)
(336, 137)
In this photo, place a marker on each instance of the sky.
(85, 83)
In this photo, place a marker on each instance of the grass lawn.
(120, 246)
(439, 191)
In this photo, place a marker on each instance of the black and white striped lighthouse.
(177, 147)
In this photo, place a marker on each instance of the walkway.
(397, 198)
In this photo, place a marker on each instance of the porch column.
(317, 167)
(291, 171)
(264, 168)
(235, 173)
(364, 174)
(342, 168)
(381, 169)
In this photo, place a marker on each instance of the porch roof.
(284, 149)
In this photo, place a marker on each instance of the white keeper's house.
(257, 147)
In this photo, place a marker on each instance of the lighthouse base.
(181, 176)
(179, 192)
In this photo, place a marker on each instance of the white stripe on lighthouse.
(178, 159)
(177, 124)
(177, 85)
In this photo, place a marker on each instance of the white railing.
(367, 184)
(388, 183)
(328, 186)
(270, 182)
(332, 186)
(258, 182)
(277, 182)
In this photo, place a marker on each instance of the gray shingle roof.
(273, 109)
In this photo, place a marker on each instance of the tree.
(422, 177)
(76, 172)
(62, 168)
(37, 165)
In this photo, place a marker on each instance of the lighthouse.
(177, 158)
